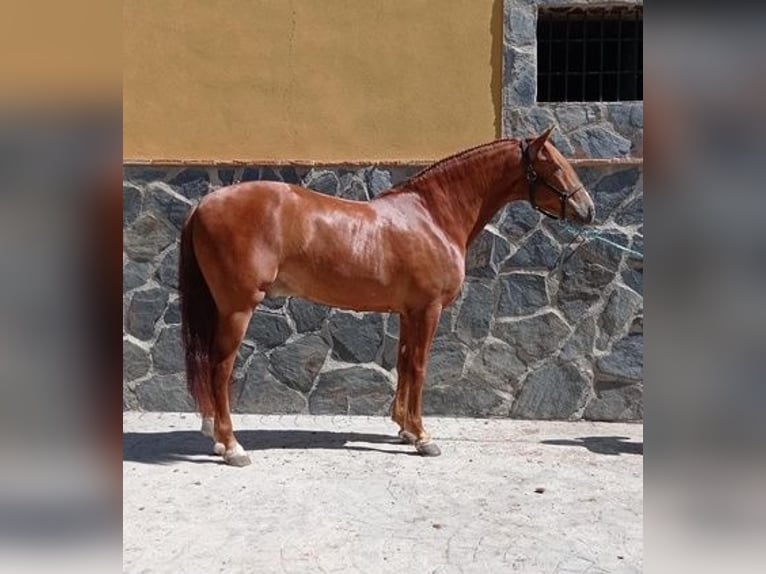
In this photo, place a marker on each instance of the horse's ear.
(537, 144)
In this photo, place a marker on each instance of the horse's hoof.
(219, 449)
(428, 449)
(208, 425)
(407, 437)
(237, 460)
(236, 456)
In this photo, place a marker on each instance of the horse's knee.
(419, 372)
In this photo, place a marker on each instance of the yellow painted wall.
(315, 80)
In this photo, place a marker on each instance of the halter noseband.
(534, 179)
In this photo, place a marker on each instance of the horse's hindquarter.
(376, 256)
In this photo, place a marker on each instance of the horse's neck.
(463, 197)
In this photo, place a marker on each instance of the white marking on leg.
(208, 426)
(236, 456)
(219, 449)
(235, 451)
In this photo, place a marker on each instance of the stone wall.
(548, 325)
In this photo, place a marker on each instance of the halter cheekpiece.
(534, 179)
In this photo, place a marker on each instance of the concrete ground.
(337, 494)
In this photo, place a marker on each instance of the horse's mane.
(441, 167)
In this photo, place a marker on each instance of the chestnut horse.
(402, 252)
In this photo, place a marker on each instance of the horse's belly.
(343, 290)
(383, 285)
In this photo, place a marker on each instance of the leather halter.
(534, 179)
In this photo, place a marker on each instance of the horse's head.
(554, 187)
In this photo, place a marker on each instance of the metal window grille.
(590, 55)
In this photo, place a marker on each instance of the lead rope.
(564, 257)
(592, 234)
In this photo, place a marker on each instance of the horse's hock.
(549, 323)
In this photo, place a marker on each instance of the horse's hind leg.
(229, 334)
(208, 423)
(207, 409)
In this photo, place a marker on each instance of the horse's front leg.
(403, 368)
(421, 333)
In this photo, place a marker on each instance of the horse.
(401, 252)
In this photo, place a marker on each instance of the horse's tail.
(198, 321)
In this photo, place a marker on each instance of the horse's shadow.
(191, 446)
(613, 445)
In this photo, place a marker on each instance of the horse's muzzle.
(582, 214)
(590, 216)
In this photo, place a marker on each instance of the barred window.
(591, 55)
